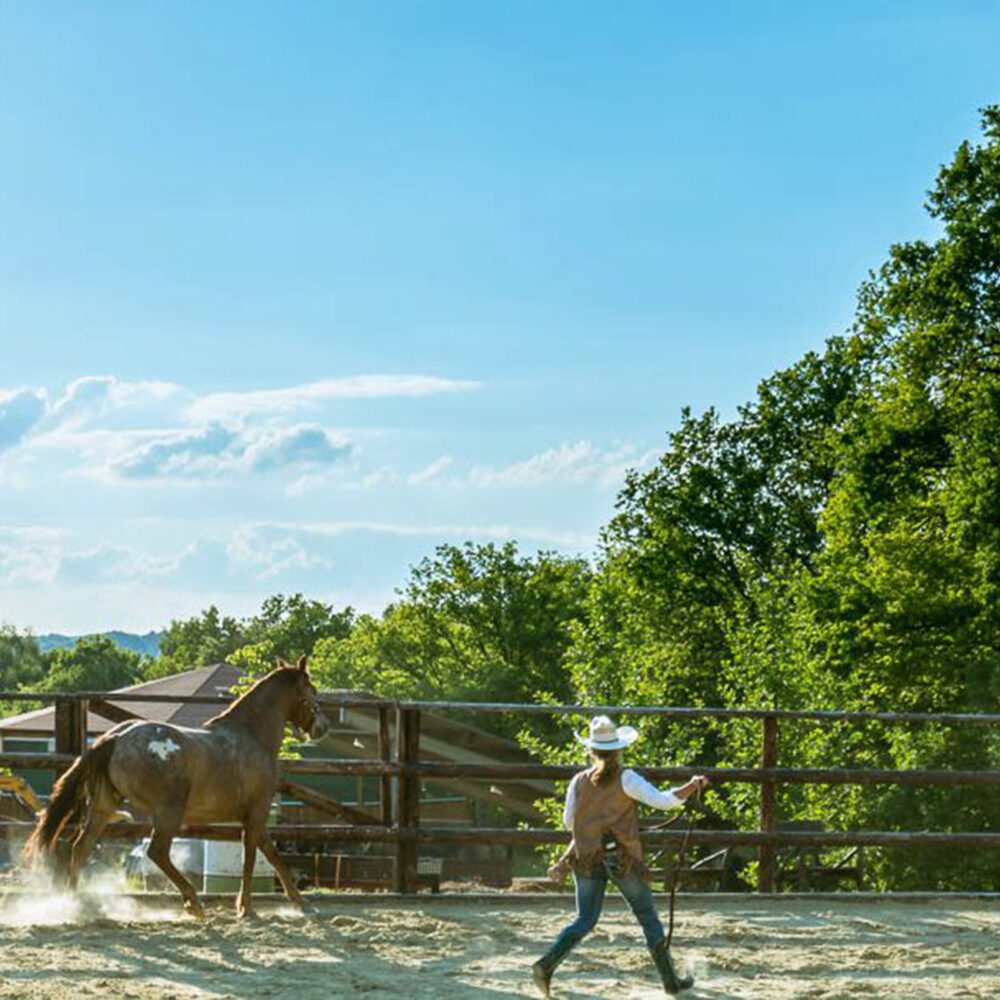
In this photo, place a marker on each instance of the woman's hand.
(697, 784)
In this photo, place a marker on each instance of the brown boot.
(541, 976)
(672, 983)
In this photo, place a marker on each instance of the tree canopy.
(95, 663)
(474, 622)
(287, 626)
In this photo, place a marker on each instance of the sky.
(290, 294)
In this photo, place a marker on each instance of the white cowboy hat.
(605, 735)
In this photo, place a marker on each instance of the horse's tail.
(69, 798)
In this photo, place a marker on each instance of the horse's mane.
(284, 673)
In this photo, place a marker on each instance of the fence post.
(70, 726)
(407, 797)
(768, 797)
(385, 755)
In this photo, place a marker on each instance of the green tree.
(293, 625)
(22, 665)
(95, 663)
(903, 608)
(475, 622)
(288, 627)
(197, 642)
(908, 590)
(729, 508)
(21, 661)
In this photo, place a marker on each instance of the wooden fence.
(400, 769)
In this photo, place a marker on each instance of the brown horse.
(226, 772)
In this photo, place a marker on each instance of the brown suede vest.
(604, 813)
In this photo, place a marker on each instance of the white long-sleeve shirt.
(634, 785)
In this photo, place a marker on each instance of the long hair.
(607, 766)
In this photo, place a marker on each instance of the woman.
(602, 811)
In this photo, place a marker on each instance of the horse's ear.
(301, 665)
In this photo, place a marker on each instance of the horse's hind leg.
(101, 810)
(164, 831)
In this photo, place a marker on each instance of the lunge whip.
(676, 876)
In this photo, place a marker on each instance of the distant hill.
(147, 645)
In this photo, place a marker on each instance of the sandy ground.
(59, 949)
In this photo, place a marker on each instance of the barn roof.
(215, 679)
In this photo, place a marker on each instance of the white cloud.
(43, 576)
(252, 553)
(384, 477)
(194, 453)
(256, 552)
(271, 549)
(105, 427)
(444, 532)
(20, 411)
(28, 555)
(431, 471)
(260, 551)
(94, 396)
(580, 462)
(204, 563)
(308, 444)
(27, 411)
(110, 564)
(238, 405)
(216, 450)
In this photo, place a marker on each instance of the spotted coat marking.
(163, 748)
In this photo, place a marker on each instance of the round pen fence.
(400, 769)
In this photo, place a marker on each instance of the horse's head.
(304, 712)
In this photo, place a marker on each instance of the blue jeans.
(590, 900)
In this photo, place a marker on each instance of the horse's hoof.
(196, 910)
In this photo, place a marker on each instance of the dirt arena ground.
(454, 949)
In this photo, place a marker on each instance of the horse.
(223, 773)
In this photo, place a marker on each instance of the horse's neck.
(262, 713)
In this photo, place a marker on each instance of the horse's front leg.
(266, 845)
(251, 833)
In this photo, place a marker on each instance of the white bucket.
(186, 853)
(225, 857)
(212, 865)
(224, 868)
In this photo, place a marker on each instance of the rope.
(655, 856)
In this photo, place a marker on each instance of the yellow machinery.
(21, 791)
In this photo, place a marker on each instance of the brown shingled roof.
(215, 679)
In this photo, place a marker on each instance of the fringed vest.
(605, 815)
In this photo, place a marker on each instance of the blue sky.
(292, 293)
